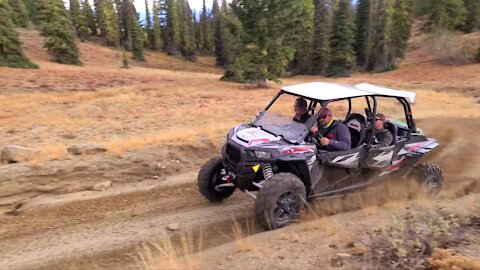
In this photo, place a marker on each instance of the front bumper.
(240, 168)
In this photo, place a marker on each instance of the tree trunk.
(261, 82)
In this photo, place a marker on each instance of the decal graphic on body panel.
(346, 160)
(420, 148)
(382, 158)
(253, 136)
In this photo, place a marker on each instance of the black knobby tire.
(430, 177)
(209, 177)
(279, 201)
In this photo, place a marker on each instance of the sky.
(194, 4)
(140, 4)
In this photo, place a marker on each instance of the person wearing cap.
(332, 135)
(383, 136)
(301, 112)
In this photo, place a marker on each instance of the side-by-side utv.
(276, 160)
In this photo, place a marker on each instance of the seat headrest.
(354, 124)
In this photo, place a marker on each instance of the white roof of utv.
(332, 91)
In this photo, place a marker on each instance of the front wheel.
(210, 182)
(279, 201)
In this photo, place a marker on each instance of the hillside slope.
(159, 122)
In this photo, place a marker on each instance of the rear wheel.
(430, 177)
(279, 201)
(210, 182)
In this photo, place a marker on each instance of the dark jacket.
(383, 138)
(338, 134)
(303, 118)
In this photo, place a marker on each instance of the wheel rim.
(287, 206)
(432, 185)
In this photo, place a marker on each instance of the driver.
(332, 135)
(301, 112)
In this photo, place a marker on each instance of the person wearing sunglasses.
(383, 136)
(331, 135)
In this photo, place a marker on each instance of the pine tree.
(383, 55)
(78, 19)
(371, 35)
(269, 38)
(302, 61)
(362, 23)
(472, 22)
(187, 42)
(172, 27)
(402, 24)
(58, 31)
(125, 11)
(136, 37)
(11, 54)
(148, 26)
(442, 14)
(31, 9)
(107, 21)
(89, 17)
(219, 34)
(99, 17)
(19, 13)
(162, 11)
(156, 31)
(207, 44)
(123, 21)
(342, 58)
(224, 7)
(320, 51)
(198, 32)
(233, 33)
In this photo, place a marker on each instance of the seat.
(356, 124)
(393, 129)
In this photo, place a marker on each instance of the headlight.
(262, 154)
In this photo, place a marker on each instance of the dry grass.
(242, 244)
(142, 106)
(453, 48)
(444, 259)
(165, 254)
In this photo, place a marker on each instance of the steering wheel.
(316, 139)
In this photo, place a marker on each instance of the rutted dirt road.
(105, 231)
(53, 234)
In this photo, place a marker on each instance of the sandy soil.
(160, 121)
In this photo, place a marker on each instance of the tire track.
(92, 238)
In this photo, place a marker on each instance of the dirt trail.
(111, 226)
(52, 234)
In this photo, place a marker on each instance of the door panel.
(342, 159)
(380, 158)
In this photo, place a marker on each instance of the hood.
(253, 136)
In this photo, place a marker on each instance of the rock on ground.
(15, 153)
(173, 226)
(102, 186)
(80, 149)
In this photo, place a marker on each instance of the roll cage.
(370, 110)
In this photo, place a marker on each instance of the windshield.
(278, 120)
